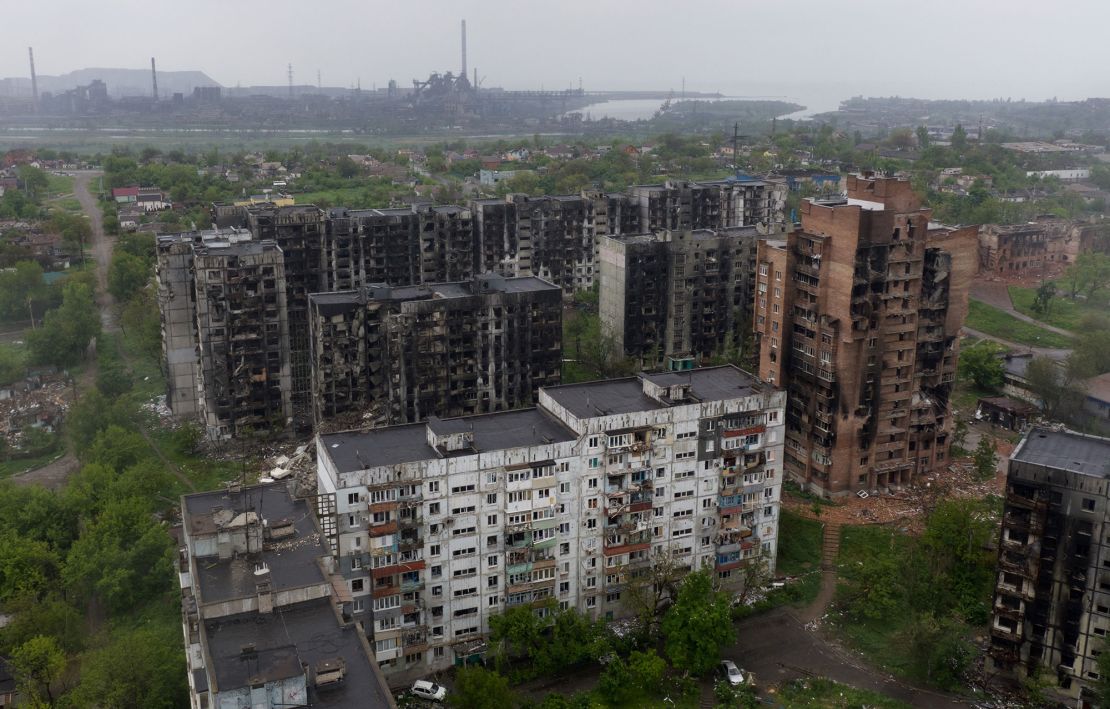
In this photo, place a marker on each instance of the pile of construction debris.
(298, 465)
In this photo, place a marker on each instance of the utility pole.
(736, 147)
(290, 81)
(154, 79)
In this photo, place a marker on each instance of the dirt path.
(830, 550)
(1050, 352)
(997, 294)
(53, 475)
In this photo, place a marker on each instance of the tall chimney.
(463, 73)
(34, 79)
(154, 79)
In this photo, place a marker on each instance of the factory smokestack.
(154, 79)
(463, 72)
(34, 79)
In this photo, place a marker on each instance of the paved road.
(1050, 352)
(997, 294)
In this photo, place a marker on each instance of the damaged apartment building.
(554, 238)
(267, 620)
(384, 354)
(678, 298)
(858, 315)
(1041, 247)
(1051, 610)
(440, 525)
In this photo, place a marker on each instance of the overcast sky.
(808, 49)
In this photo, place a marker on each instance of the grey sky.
(808, 49)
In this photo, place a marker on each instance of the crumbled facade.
(1051, 609)
(390, 355)
(1045, 246)
(440, 525)
(677, 298)
(858, 315)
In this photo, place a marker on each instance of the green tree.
(959, 138)
(21, 289)
(941, 650)
(698, 625)
(1042, 301)
(125, 557)
(127, 275)
(1089, 274)
(478, 688)
(982, 364)
(985, 459)
(33, 181)
(955, 548)
(922, 137)
(38, 665)
(27, 566)
(1055, 386)
(142, 667)
(67, 330)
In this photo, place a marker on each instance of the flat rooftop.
(393, 445)
(460, 289)
(292, 560)
(285, 638)
(624, 396)
(1065, 450)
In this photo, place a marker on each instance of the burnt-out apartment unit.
(678, 298)
(225, 338)
(243, 339)
(858, 315)
(1051, 610)
(391, 355)
(708, 205)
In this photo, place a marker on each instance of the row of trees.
(525, 645)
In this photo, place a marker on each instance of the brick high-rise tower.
(858, 314)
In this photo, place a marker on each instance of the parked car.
(429, 690)
(732, 674)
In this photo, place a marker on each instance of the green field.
(820, 693)
(999, 323)
(799, 544)
(1062, 312)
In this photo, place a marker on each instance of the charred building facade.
(708, 205)
(391, 355)
(1051, 608)
(678, 297)
(858, 316)
(443, 524)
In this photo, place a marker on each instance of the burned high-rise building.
(390, 355)
(678, 297)
(708, 205)
(243, 340)
(858, 315)
(1051, 610)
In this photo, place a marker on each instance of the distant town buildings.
(1038, 247)
(442, 524)
(858, 315)
(1051, 609)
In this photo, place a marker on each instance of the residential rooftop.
(623, 396)
(1065, 450)
(393, 445)
(330, 303)
(293, 561)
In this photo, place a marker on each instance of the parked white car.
(429, 690)
(735, 676)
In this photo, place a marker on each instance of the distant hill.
(121, 82)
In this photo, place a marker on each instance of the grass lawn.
(799, 544)
(879, 639)
(58, 184)
(14, 467)
(1063, 312)
(825, 694)
(991, 320)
